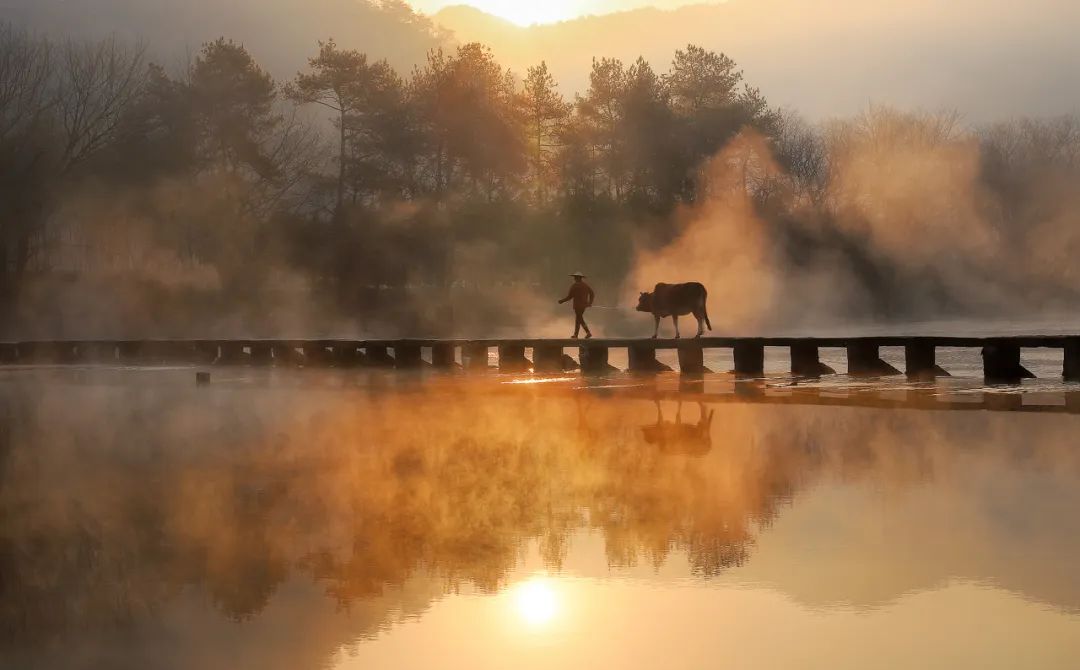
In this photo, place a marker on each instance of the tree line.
(353, 177)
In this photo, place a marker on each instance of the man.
(583, 296)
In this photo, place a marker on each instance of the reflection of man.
(582, 295)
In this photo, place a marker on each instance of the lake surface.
(303, 519)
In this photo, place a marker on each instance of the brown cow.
(676, 300)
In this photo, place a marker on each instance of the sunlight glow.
(536, 601)
(527, 13)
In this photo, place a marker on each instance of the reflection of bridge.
(754, 392)
(1001, 355)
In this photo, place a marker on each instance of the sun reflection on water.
(536, 601)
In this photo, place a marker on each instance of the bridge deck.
(1025, 341)
(1001, 355)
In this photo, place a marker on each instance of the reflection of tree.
(234, 500)
(106, 521)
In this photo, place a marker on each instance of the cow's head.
(645, 302)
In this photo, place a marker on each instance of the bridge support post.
(749, 359)
(9, 353)
(864, 360)
(512, 358)
(920, 361)
(1071, 373)
(285, 354)
(691, 359)
(317, 355)
(407, 355)
(232, 353)
(262, 354)
(806, 362)
(347, 355)
(443, 356)
(547, 358)
(1001, 364)
(378, 356)
(476, 356)
(643, 359)
(594, 359)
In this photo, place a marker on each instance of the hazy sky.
(525, 12)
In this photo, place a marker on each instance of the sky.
(526, 13)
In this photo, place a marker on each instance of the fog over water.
(306, 519)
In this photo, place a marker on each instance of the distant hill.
(281, 34)
(988, 58)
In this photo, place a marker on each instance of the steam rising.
(906, 220)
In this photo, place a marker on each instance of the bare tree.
(98, 82)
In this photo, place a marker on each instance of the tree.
(233, 103)
(646, 129)
(357, 92)
(546, 113)
(710, 108)
(599, 116)
(469, 113)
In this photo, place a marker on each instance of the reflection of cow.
(688, 439)
(676, 300)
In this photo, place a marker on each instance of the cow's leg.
(656, 330)
(675, 320)
(700, 326)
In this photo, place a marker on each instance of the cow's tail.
(705, 307)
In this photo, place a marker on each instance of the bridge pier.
(285, 354)
(232, 353)
(864, 360)
(317, 355)
(444, 356)
(643, 359)
(378, 356)
(9, 353)
(692, 359)
(512, 358)
(920, 361)
(262, 354)
(1071, 371)
(475, 356)
(407, 356)
(347, 355)
(1001, 364)
(749, 359)
(547, 358)
(806, 361)
(594, 359)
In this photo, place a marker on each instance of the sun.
(536, 601)
(527, 12)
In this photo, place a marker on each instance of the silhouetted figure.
(583, 296)
(687, 439)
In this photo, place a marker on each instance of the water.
(301, 519)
